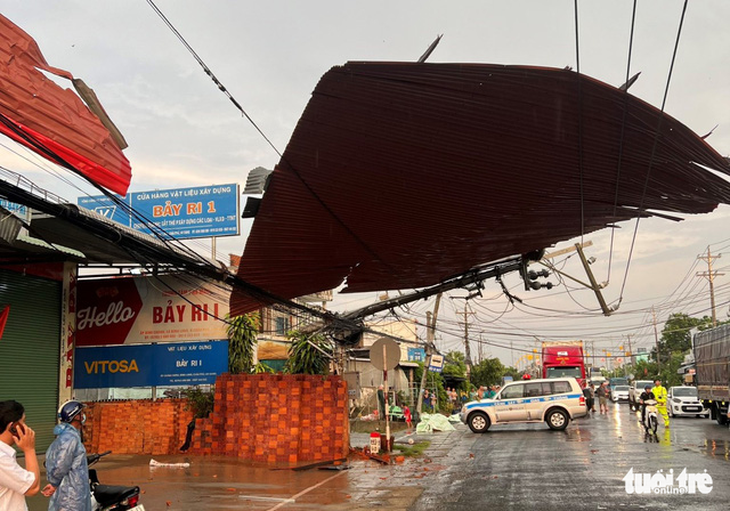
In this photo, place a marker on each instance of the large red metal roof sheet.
(400, 175)
(50, 120)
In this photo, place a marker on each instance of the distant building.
(272, 347)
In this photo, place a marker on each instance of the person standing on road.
(407, 416)
(602, 394)
(660, 394)
(381, 402)
(15, 481)
(588, 393)
(66, 467)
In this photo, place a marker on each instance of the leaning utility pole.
(430, 329)
(481, 357)
(467, 349)
(656, 340)
(710, 276)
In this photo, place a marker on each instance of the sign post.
(385, 397)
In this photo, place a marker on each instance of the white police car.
(555, 401)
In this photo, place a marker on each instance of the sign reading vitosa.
(191, 363)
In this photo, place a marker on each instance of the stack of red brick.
(276, 419)
(137, 427)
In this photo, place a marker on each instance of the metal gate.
(29, 349)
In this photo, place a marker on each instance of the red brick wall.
(276, 419)
(137, 427)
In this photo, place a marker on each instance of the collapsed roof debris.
(53, 121)
(401, 175)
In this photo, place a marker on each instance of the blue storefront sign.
(184, 213)
(17, 209)
(151, 365)
(416, 355)
(108, 208)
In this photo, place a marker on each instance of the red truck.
(563, 358)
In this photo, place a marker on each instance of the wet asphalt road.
(530, 467)
(519, 467)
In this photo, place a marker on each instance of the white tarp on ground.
(436, 422)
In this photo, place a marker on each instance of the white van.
(555, 401)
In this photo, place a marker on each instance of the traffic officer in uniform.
(660, 394)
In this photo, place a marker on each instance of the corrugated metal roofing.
(400, 175)
(50, 120)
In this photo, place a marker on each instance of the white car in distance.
(683, 401)
(620, 393)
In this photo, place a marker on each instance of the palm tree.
(308, 354)
(242, 331)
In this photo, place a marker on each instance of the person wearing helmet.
(67, 470)
(645, 396)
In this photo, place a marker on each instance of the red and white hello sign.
(129, 310)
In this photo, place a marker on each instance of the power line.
(653, 151)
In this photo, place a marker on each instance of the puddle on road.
(716, 449)
(577, 435)
(220, 483)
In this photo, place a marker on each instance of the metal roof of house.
(400, 175)
(53, 121)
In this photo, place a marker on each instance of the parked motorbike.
(650, 416)
(111, 498)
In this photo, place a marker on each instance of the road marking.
(295, 497)
(267, 499)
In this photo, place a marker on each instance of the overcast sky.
(183, 132)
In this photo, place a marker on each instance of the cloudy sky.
(182, 131)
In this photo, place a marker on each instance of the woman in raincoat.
(66, 467)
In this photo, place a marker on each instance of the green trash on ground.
(436, 422)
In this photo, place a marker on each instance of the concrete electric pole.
(430, 330)
(710, 276)
(656, 340)
(467, 349)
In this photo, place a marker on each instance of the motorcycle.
(111, 498)
(650, 420)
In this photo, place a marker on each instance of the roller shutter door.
(29, 349)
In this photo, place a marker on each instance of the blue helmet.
(69, 410)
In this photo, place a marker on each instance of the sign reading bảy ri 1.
(150, 365)
(196, 212)
(139, 310)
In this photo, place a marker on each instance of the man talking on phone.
(15, 481)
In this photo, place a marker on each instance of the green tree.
(676, 334)
(308, 354)
(644, 370)
(487, 372)
(515, 373)
(455, 364)
(242, 331)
